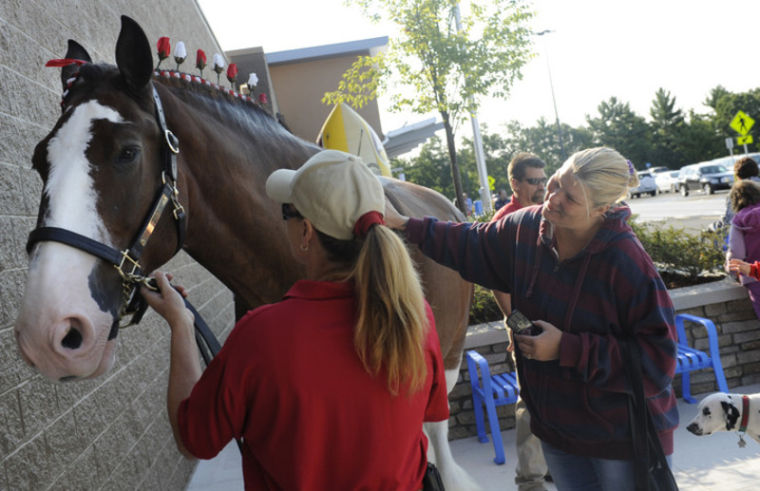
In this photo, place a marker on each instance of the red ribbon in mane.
(65, 62)
(366, 221)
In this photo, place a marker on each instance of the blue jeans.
(576, 473)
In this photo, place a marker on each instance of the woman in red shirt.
(329, 387)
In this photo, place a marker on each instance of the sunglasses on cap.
(289, 212)
(535, 181)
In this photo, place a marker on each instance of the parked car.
(667, 181)
(646, 185)
(706, 176)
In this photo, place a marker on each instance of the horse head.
(107, 138)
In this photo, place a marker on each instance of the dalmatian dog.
(728, 412)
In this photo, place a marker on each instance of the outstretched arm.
(185, 367)
(745, 268)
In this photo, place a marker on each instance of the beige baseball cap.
(333, 189)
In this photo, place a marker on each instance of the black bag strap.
(432, 480)
(649, 457)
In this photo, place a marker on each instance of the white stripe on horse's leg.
(455, 478)
(439, 452)
(451, 378)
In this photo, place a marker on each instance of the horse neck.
(234, 230)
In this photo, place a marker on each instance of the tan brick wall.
(109, 433)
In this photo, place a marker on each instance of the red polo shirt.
(289, 381)
(505, 210)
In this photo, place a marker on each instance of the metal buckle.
(131, 276)
(172, 141)
(178, 208)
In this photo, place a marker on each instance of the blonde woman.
(329, 387)
(575, 268)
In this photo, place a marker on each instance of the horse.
(131, 144)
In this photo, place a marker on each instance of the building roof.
(404, 139)
(328, 50)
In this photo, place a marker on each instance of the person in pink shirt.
(744, 236)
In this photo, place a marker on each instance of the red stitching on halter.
(745, 414)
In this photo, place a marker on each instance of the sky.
(597, 49)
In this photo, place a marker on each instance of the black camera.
(521, 324)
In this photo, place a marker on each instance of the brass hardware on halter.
(131, 281)
(178, 210)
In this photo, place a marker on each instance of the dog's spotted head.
(717, 412)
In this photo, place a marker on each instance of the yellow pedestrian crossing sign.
(742, 123)
(744, 140)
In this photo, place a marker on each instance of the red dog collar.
(745, 414)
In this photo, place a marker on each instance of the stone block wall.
(723, 302)
(112, 432)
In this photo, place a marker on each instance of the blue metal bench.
(490, 391)
(690, 359)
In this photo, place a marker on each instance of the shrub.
(484, 307)
(677, 251)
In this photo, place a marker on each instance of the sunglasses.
(535, 181)
(289, 212)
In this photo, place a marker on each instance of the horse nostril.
(73, 339)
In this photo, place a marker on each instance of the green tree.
(701, 140)
(440, 67)
(729, 104)
(541, 140)
(667, 130)
(496, 153)
(716, 93)
(430, 168)
(620, 128)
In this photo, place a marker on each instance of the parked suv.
(706, 176)
(646, 185)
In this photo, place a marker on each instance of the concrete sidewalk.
(713, 462)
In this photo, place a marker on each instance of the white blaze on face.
(58, 288)
(72, 197)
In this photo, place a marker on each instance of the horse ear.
(133, 55)
(75, 51)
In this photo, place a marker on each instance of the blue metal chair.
(690, 359)
(490, 391)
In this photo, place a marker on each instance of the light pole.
(554, 100)
(480, 161)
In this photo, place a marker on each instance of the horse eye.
(127, 155)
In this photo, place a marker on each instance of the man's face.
(530, 190)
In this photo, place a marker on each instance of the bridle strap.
(73, 239)
(171, 150)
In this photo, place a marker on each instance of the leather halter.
(127, 262)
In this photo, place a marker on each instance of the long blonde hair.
(391, 322)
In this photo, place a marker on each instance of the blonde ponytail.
(391, 325)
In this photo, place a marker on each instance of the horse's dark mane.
(229, 109)
(206, 94)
